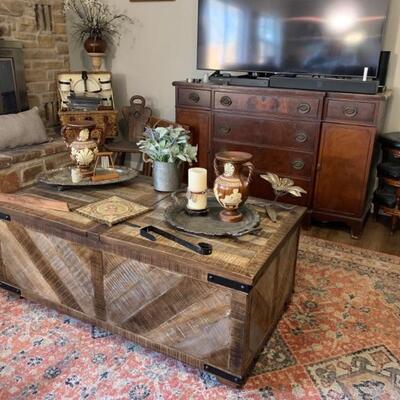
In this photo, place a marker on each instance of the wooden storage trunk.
(213, 312)
(98, 82)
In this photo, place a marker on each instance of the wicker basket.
(97, 82)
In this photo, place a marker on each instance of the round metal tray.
(62, 177)
(211, 225)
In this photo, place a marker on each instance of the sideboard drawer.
(281, 162)
(348, 111)
(299, 135)
(194, 98)
(301, 107)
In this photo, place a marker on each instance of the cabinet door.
(343, 169)
(199, 122)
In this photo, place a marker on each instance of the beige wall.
(392, 43)
(161, 48)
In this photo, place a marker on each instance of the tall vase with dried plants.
(96, 24)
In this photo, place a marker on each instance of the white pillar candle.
(197, 189)
(76, 176)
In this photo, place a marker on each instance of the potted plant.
(96, 23)
(167, 149)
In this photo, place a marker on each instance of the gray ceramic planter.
(166, 176)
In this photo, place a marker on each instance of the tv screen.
(321, 37)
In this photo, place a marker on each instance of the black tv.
(318, 37)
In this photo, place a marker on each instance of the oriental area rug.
(339, 340)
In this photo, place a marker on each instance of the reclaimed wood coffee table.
(213, 312)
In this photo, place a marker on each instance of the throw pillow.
(22, 129)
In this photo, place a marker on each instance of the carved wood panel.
(53, 268)
(169, 308)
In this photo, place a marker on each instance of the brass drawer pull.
(304, 108)
(298, 165)
(226, 101)
(301, 137)
(350, 111)
(194, 97)
(224, 130)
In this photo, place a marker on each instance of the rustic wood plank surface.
(139, 191)
(49, 266)
(238, 258)
(157, 293)
(34, 202)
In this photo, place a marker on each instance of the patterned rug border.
(332, 360)
(354, 353)
(390, 258)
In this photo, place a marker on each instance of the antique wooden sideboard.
(325, 142)
(214, 312)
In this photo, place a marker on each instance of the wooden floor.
(376, 235)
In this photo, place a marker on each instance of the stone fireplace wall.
(40, 26)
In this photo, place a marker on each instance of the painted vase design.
(83, 149)
(231, 187)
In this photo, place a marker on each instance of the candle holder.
(195, 197)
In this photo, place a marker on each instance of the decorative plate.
(113, 210)
(62, 177)
(211, 225)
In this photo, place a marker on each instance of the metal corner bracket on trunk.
(218, 280)
(10, 288)
(238, 380)
(5, 217)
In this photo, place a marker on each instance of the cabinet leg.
(306, 223)
(376, 210)
(394, 224)
(120, 159)
(356, 230)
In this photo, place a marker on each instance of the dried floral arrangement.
(281, 187)
(96, 20)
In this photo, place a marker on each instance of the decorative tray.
(211, 225)
(62, 177)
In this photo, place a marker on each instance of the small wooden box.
(100, 83)
(213, 312)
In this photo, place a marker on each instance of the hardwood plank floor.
(376, 235)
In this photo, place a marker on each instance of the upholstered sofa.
(26, 150)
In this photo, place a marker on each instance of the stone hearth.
(20, 167)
